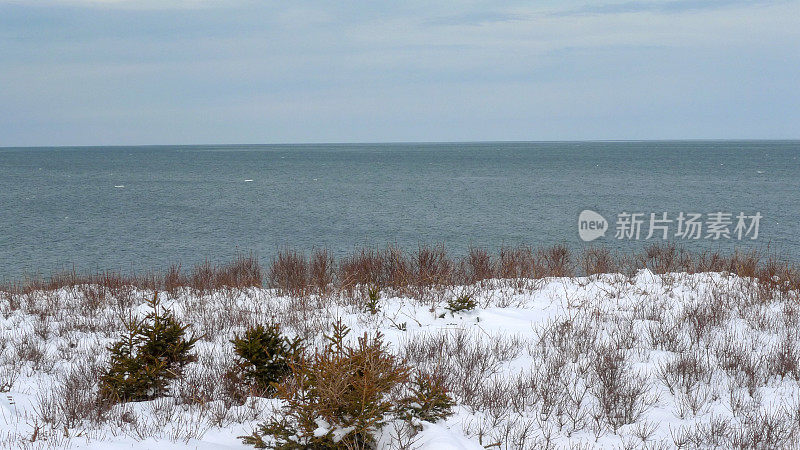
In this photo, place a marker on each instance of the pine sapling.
(153, 351)
(264, 356)
(371, 306)
(461, 303)
(429, 400)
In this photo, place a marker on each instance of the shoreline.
(320, 272)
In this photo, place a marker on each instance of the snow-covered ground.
(653, 361)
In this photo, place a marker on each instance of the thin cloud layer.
(119, 72)
(126, 4)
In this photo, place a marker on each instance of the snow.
(510, 328)
(438, 437)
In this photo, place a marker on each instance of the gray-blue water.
(63, 206)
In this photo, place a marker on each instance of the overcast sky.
(105, 72)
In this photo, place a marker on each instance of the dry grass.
(717, 339)
(429, 267)
(242, 272)
(289, 273)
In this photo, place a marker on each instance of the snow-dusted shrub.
(342, 395)
(152, 352)
(337, 398)
(428, 400)
(73, 399)
(466, 360)
(264, 355)
(622, 396)
(463, 302)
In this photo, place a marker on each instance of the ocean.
(140, 208)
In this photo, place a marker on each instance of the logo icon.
(591, 225)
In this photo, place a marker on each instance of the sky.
(124, 72)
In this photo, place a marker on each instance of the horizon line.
(548, 141)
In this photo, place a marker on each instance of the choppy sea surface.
(140, 208)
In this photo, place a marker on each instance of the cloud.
(475, 18)
(127, 4)
(371, 71)
(670, 6)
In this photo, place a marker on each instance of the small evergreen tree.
(461, 303)
(264, 355)
(429, 400)
(153, 352)
(347, 387)
(371, 305)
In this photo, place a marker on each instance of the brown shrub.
(557, 261)
(289, 273)
(597, 260)
(479, 265)
(432, 267)
(428, 269)
(518, 262)
(666, 258)
(396, 268)
(243, 272)
(361, 268)
(321, 271)
(202, 277)
(174, 280)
